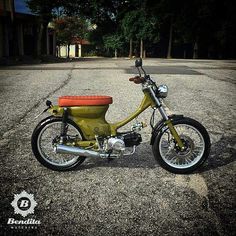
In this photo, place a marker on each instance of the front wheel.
(197, 147)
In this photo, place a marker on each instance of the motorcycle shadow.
(142, 158)
(222, 153)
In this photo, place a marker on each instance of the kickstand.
(109, 159)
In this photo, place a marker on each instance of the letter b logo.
(23, 203)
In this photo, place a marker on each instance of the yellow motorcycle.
(77, 129)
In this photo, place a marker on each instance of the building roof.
(78, 40)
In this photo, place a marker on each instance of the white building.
(75, 48)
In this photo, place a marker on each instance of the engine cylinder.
(132, 139)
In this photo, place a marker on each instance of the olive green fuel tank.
(90, 119)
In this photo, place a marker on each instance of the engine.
(132, 139)
(117, 145)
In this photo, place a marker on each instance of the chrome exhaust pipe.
(64, 149)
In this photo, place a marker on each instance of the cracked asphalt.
(132, 195)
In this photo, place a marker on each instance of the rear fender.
(50, 118)
(159, 126)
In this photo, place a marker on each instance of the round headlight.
(162, 91)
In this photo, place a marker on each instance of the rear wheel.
(44, 138)
(197, 147)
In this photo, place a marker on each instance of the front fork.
(175, 134)
(168, 121)
(171, 127)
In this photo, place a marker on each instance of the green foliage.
(130, 24)
(210, 23)
(113, 41)
(138, 24)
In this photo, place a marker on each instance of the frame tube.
(146, 102)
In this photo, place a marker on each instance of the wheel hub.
(188, 146)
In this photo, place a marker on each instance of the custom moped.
(77, 129)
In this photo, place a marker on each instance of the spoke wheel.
(44, 139)
(193, 151)
(196, 142)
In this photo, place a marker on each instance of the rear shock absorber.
(64, 125)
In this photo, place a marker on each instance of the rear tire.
(45, 135)
(197, 142)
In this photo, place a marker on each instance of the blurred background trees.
(161, 28)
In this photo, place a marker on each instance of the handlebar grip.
(131, 79)
(137, 79)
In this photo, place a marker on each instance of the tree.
(113, 42)
(210, 26)
(137, 24)
(168, 13)
(130, 28)
(69, 28)
(109, 15)
(147, 30)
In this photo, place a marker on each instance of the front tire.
(197, 147)
(45, 135)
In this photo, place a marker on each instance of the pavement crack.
(65, 82)
(37, 104)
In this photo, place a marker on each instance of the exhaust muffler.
(64, 149)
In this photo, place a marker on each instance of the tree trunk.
(68, 51)
(39, 40)
(170, 39)
(130, 48)
(59, 51)
(115, 53)
(195, 50)
(141, 48)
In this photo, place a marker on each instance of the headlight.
(162, 91)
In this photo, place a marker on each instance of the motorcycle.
(77, 129)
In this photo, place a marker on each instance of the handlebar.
(141, 80)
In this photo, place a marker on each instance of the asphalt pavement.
(132, 195)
